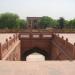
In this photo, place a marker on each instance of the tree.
(72, 23)
(45, 21)
(8, 20)
(55, 23)
(61, 22)
(66, 24)
(22, 24)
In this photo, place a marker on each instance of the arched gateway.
(35, 50)
(35, 41)
(48, 44)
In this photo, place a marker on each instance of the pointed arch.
(33, 50)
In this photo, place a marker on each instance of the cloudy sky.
(52, 8)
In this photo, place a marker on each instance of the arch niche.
(35, 50)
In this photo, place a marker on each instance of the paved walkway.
(37, 68)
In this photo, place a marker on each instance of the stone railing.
(7, 45)
(53, 30)
(25, 30)
(68, 48)
(35, 35)
(65, 30)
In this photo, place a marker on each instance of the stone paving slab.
(37, 68)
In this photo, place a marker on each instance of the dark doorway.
(34, 50)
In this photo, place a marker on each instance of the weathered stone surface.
(4, 36)
(37, 68)
(69, 36)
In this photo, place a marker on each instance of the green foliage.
(55, 23)
(45, 21)
(10, 21)
(66, 24)
(72, 23)
(22, 24)
(61, 22)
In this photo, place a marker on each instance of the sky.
(38, 8)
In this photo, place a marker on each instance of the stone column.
(74, 51)
(0, 52)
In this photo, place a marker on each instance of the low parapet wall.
(10, 49)
(26, 30)
(62, 48)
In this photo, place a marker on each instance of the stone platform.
(37, 68)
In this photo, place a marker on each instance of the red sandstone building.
(44, 42)
(33, 22)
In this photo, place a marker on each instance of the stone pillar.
(66, 41)
(74, 51)
(14, 38)
(0, 52)
(31, 24)
(62, 37)
(7, 43)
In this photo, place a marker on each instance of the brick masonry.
(48, 44)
